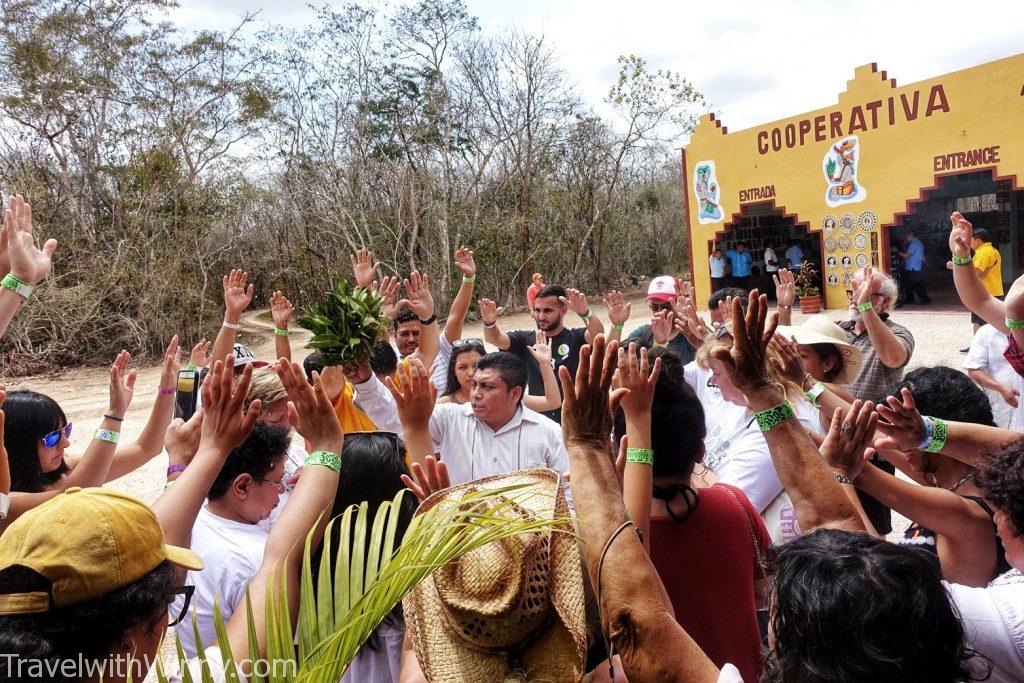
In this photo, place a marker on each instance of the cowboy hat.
(818, 329)
(513, 607)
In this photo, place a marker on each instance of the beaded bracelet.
(814, 392)
(766, 419)
(107, 435)
(866, 306)
(325, 458)
(1015, 324)
(644, 456)
(962, 261)
(280, 333)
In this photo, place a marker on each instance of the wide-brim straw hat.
(818, 329)
(510, 609)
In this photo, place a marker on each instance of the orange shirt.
(986, 257)
(351, 418)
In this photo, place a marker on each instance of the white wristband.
(5, 505)
(232, 326)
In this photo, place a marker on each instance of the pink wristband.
(175, 468)
(167, 392)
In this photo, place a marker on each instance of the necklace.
(963, 479)
(472, 448)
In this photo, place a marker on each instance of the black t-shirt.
(565, 350)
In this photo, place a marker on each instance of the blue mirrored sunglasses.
(53, 438)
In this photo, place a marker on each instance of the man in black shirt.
(549, 309)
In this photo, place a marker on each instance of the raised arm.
(639, 379)
(421, 302)
(552, 398)
(22, 264)
(364, 267)
(460, 305)
(966, 279)
(888, 346)
(618, 313)
(577, 302)
(237, 297)
(785, 295)
(817, 497)
(636, 615)
(489, 312)
(281, 311)
(415, 396)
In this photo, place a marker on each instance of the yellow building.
(845, 182)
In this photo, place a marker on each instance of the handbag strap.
(758, 554)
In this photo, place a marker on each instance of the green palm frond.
(368, 580)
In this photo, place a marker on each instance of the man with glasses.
(662, 297)
(886, 347)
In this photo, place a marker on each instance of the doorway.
(760, 226)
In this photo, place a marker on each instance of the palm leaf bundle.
(345, 324)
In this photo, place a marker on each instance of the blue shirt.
(795, 256)
(915, 255)
(740, 262)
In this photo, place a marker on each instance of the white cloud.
(755, 61)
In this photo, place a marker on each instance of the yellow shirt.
(986, 256)
(351, 418)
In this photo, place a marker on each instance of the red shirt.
(708, 566)
(531, 293)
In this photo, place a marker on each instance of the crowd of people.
(730, 478)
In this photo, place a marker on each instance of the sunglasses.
(187, 591)
(53, 438)
(657, 308)
(471, 343)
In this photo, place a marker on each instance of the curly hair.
(946, 393)
(851, 607)
(265, 446)
(1001, 479)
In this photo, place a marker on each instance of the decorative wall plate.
(862, 260)
(828, 224)
(847, 223)
(845, 242)
(830, 244)
(860, 241)
(847, 261)
(868, 221)
(833, 280)
(831, 262)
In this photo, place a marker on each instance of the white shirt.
(473, 450)
(717, 267)
(232, 553)
(375, 399)
(769, 256)
(382, 665)
(986, 353)
(993, 619)
(439, 377)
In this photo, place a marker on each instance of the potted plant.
(345, 324)
(807, 289)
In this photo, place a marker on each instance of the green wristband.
(618, 326)
(17, 286)
(586, 316)
(325, 458)
(939, 433)
(962, 261)
(814, 392)
(168, 485)
(1015, 324)
(279, 332)
(192, 366)
(644, 456)
(106, 435)
(866, 306)
(469, 279)
(766, 419)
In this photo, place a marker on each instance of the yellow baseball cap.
(86, 542)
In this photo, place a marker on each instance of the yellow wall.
(897, 160)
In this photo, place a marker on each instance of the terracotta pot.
(810, 304)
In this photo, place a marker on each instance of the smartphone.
(187, 398)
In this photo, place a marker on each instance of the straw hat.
(511, 608)
(818, 329)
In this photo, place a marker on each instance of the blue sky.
(754, 61)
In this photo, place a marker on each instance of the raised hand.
(489, 311)
(691, 326)
(464, 262)
(200, 356)
(122, 385)
(19, 255)
(576, 301)
(685, 289)
(237, 296)
(788, 364)
(618, 307)
(785, 287)
(172, 363)
(586, 403)
(427, 479)
(414, 393)
(661, 326)
(747, 360)
(280, 310)
(310, 409)
(638, 377)
(848, 442)
(418, 298)
(960, 234)
(388, 291)
(364, 267)
(903, 426)
(225, 424)
(863, 293)
(541, 349)
(725, 309)
(181, 440)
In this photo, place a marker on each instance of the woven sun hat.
(510, 609)
(818, 329)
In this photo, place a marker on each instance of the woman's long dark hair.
(452, 383)
(91, 629)
(29, 417)
(850, 607)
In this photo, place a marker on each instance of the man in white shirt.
(227, 533)
(771, 261)
(988, 368)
